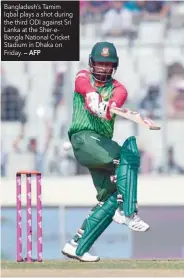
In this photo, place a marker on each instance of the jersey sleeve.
(83, 84)
(119, 94)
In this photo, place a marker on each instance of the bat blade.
(135, 117)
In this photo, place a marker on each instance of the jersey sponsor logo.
(105, 94)
(105, 52)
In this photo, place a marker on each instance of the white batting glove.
(104, 110)
(92, 101)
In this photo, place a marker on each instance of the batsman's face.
(103, 67)
(103, 71)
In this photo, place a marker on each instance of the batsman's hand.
(104, 109)
(92, 101)
(96, 106)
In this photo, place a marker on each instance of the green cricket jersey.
(82, 119)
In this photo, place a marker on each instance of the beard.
(102, 76)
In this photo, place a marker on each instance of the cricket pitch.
(104, 268)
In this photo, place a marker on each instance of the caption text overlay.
(40, 30)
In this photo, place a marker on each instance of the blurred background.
(36, 111)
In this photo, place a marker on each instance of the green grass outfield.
(103, 264)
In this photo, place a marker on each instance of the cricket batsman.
(91, 132)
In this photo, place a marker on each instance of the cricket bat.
(135, 117)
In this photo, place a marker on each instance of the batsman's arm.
(119, 94)
(82, 83)
(83, 86)
(118, 98)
